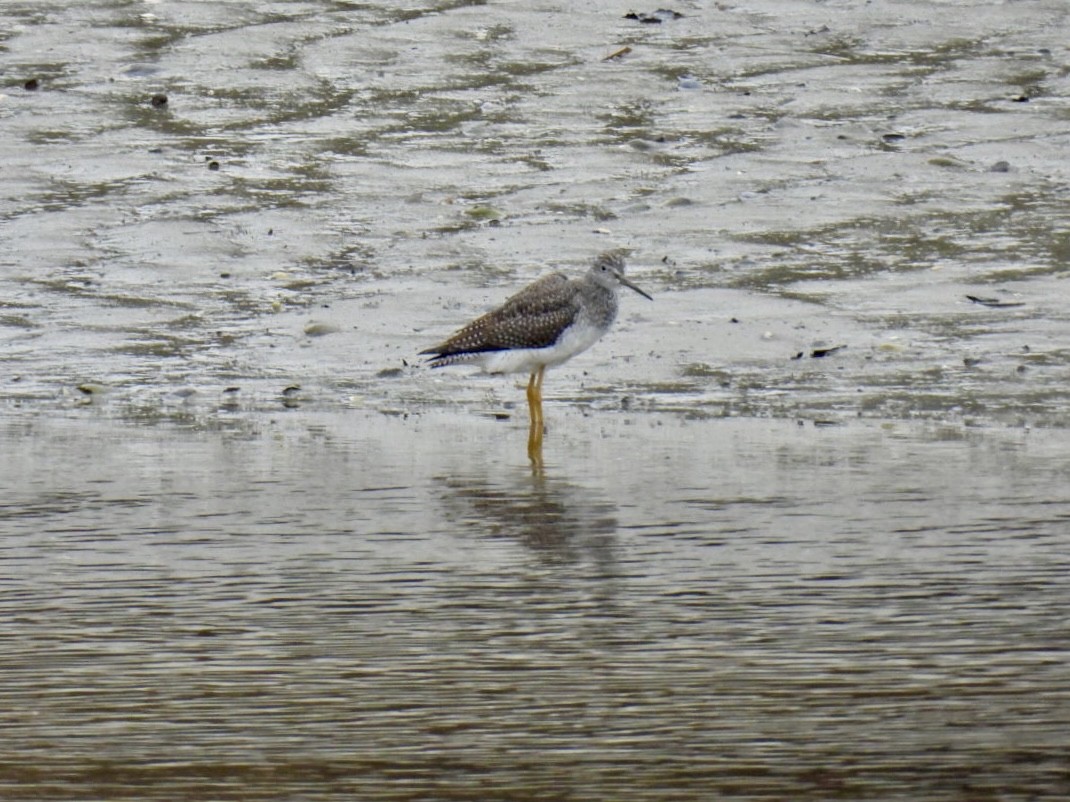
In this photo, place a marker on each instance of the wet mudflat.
(803, 523)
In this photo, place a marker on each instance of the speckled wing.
(533, 318)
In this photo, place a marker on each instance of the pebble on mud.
(654, 17)
(291, 396)
(317, 329)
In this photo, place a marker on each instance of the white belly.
(575, 340)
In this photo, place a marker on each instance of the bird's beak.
(631, 286)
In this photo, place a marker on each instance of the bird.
(544, 325)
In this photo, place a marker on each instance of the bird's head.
(608, 270)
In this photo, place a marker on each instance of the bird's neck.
(603, 311)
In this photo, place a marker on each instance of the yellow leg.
(535, 410)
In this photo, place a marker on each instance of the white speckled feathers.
(545, 324)
(533, 318)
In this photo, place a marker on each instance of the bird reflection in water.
(559, 521)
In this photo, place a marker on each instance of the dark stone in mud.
(654, 17)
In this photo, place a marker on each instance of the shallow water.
(320, 605)
(802, 527)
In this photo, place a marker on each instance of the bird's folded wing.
(533, 318)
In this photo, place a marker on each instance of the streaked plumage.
(546, 323)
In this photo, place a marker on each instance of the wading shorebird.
(545, 324)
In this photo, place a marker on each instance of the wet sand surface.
(803, 524)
